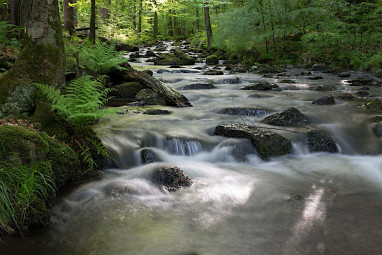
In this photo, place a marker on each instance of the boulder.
(234, 80)
(261, 85)
(324, 88)
(167, 59)
(245, 111)
(344, 75)
(148, 156)
(320, 68)
(212, 60)
(213, 72)
(157, 112)
(127, 90)
(346, 96)
(149, 97)
(378, 129)
(170, 177)
(362, 93)
(363, 81)
(315, 77)
(320, 141)
(185, 59)
(287, 81)
(326, 100)
(126, 47)
(150, 54)
(199, 86)
(267, 144)
(290, 117)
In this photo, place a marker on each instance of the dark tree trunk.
(69, 16)
(92, 33)
(155, 32)
(43, 58)
(207, 21)
(197, 19)
(135, 14)
(184, 23)
(19, 12)
(170, 25)
(140, 17)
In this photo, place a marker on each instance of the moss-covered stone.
(178, 58)
(267, 144)
(127, 90)
(21, 102)
(150, 97)
(71, 64)
(212, 60)
(320, 141)
(290, 117)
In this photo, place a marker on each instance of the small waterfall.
(182, 147)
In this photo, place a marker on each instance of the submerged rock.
(156, 112)
(363, 81)
(346, 96)
(326, 100)
(261, 85)
(290, 117)
(287, 81)
(267, 144)
(170, 177)
(199, 86)
(148, 156)
(245, 111)
(315, 78)
(344, 75)
(362, 93)
(213, 72)
(320, 141)
(378, 129)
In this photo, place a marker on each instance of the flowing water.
(238, 203)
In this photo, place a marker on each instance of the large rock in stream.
(245, 111)
(261, 85)
(320, 141)
(290, 117)
(178, 58)
(326, 100)
(170, 177)
(267, 144)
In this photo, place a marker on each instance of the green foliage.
(21, 187)
(102, 58)
(81, 102)
(7, 32)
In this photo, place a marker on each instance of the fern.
(102, 58)
(81, 103)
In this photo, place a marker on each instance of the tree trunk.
(173, 97)
(135, 14)
(197, 19)
(19, 12)
(92, 33)
(170, 26)
(69, 16)
(207, 21)
(155, 33)
(43, 58)
(140, 17)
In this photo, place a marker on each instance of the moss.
(127, 90)
(212, 60)
(71, 64)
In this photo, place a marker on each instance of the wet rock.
(199, 86)
(320, 68)
(178, 58)
(234, 80)
(176, 66)
(267, 144)
(126, 47)
(315, 78)
(376, 104)
(186, 60)
(127, 90)
(185, 71)
(378, 129)
(378, 73)
(148, 156)
(363, 81)
(287, 81)
(346, 96)
(362, 93)
(163, 71)
(320, 141)
(150, 97)
(239, 69)
(213, 72)
(290, 117)
(160, 48)
(344, 75)
(295, 197)
(212, 60)
(326, 100)
(135, 55)
(157, 112)
(261, 85)
(149, 72)
(150, 54)
(245, 111)
(324, 88)
(306, 73)
(258, 96)
(170, 177)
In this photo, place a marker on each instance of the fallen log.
(173, 97)
(84, 28)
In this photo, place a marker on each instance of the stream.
(238, 203)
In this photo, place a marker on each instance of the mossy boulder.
(212, 60)
(326, 100)
(21, 146)
(20, 103)
(150, 97)
(71, 64)
(127, 90)
(262, 86)
(148, 156)
(178, 58)
(320, 141)
(290, 117)
(267, 144)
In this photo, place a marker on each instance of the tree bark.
(135, 14)
(69, 16)
(155, 32)
(197, 19)
(92, 33)
(140, 17)
(43, 58)
(173, 97)
(19, 12)
(207, 21)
